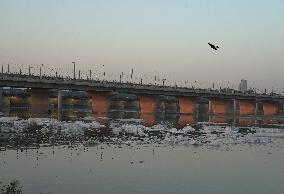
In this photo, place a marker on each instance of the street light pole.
(40, 71)
(131, 74)
(74, 69)
(29, 70)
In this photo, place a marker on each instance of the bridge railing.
(125, 85)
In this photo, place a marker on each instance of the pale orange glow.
(186, 105)
(218, 106)
(247, 107)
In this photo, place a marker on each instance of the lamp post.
(74, 69)
(131, 73)
(40, 71)
(30, 69)
(164, 82)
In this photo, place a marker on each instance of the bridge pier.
(100, 102)
(259, 109)
(100, 105)
(210, 111)
(1, 99)
(187, 110)
(280, 110)
(167, 109)
(39, 102)
(124, 106)
(148, 107)
(202, 110)
(132, 108)
(270, 108)
(236, 107)
(259, 113)
(219, 110)
(59, 104)
(247, 110)
(236, 112)
(247, 107)
(280, 105)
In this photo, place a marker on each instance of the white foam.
(48, 124)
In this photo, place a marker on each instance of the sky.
(167, 38)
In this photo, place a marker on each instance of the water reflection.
(157, 168)
(185, 119)
(150, 119)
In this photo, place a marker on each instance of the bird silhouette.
(213, 46)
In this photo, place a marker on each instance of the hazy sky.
(164, 37)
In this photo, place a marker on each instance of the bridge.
(145, 101)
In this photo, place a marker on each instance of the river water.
(148, 168)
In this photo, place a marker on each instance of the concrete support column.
(256, 113)
(280, 108)
(259, 107)
(171, 105)
(220, 109)
(247, 107)
(59, 104)
(1, 99)
(100, 102)
(210, 111)
(148, 109)
(235, 112)
(100, 105)
(270, 108)
(235, 102)
(39, 102)
(186, 105)
(256, 109)
(210, 107)
(187, 110)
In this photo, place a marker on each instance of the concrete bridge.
(151, 103)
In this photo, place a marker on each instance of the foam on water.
(133, 132)
(46, 124)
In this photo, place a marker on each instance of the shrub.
(11, 188)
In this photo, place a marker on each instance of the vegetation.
(12, 188)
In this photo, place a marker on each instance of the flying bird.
(213, 46)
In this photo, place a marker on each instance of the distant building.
(243, 86)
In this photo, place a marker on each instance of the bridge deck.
(26, 81)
